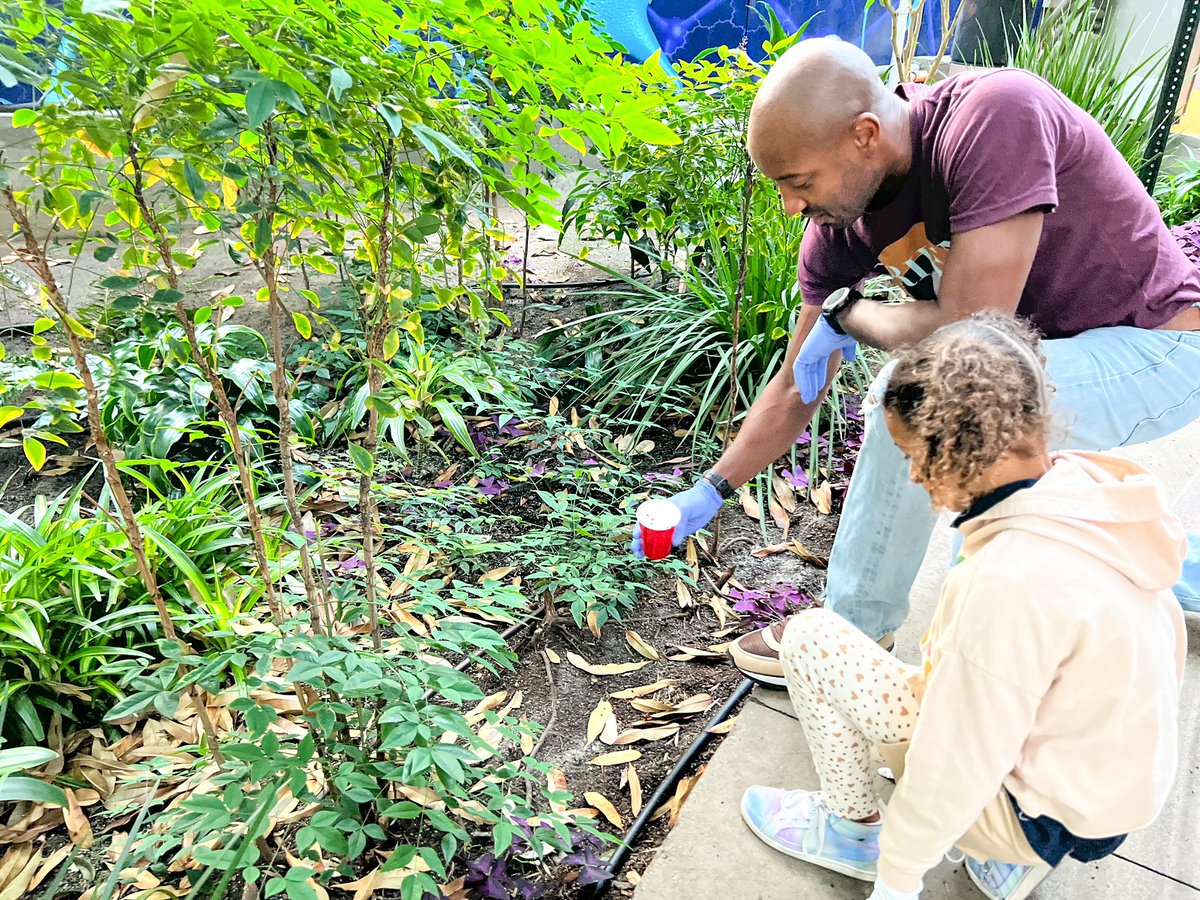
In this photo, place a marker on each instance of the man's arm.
(986, 268)
(777, 416)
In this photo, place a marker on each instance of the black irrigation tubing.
(617, 860)
(19, 328)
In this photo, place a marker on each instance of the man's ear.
(865, 131)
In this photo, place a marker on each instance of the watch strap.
(723, 487)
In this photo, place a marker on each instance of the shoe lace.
(810, 812)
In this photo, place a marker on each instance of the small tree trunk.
(224, 407)
(35, 254)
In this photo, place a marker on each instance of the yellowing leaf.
(642, 691)
(556, 782)
(605, 668)
(553, 409)
(640, 646)
(229, 192)
(605, 806)
(618, 758)
(598, 719)
(593, 622)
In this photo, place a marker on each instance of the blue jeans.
(1113, 387)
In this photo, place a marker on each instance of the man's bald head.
(823, 110)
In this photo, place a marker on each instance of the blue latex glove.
(698, 504)
(812, 363)
(883, 892)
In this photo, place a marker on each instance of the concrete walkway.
(711, 854)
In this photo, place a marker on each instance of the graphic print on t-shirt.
(915, 263)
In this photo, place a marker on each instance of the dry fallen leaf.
(783, 493)
(605, 806)
(593, 622)
(630, 693)
(820, 562)
(822, 498)
(780, 517)
(724, 727)
(554, 657)
(605, 668)
(552, 410)
(658, 733)
(17, 868)
(682, 791)
(683, 595)
(640, 646)
(598, 719)
(749, 504)
(556, 782)
(618, 758)
(78, 826)
(496, 574)
(635, 789)
(689, 654)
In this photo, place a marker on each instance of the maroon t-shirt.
(988, 146)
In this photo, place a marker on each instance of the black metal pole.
(1172, 88)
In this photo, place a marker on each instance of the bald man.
(989, 190)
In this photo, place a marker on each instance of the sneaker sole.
(743, 663)
(1024, 889)
(823, 862)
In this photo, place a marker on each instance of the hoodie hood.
(1103, 505)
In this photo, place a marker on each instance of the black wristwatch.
(724, 488)
(836, 304)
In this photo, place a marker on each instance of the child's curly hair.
(969, 393)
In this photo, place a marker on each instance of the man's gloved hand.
(812, 363)
(883, 892)
(698, 504)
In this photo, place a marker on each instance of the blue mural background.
(683, 29)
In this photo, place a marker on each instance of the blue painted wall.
(683, 29)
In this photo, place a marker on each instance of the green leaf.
(35, 452)
(167, 295)
(339, 82)
(650, 130)
(17, 759)
(104, 253)
(395, 124)
(260, 102)
(43, 325)
(119, 282)
(23, 117)
(33, 790)
(455, 424)
(7, 414)
(362, 459)
(303, 325)
(262, 234)
(194, 182)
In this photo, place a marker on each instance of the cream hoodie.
(1052, 666)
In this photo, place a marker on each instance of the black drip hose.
(621, 854)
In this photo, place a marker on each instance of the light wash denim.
(1113, 387)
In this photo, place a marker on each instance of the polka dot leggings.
(849, 694)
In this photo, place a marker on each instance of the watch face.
(836, 299)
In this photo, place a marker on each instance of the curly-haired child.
(1042, 720)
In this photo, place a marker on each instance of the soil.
(563, 697)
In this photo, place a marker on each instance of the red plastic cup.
(657, 520)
